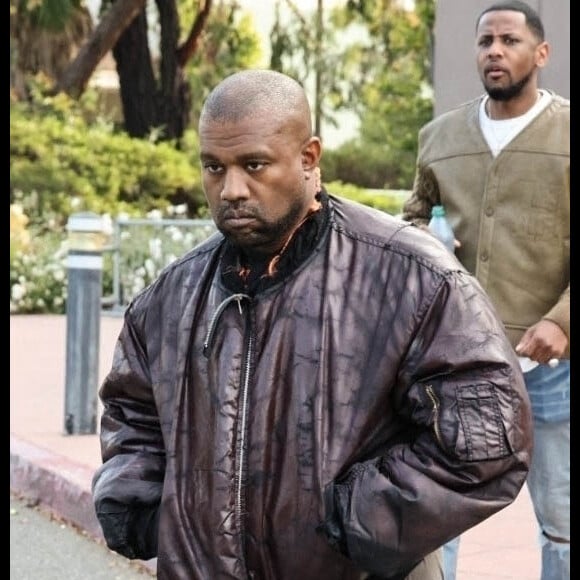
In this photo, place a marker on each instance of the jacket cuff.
(131, 531)
(332, 528)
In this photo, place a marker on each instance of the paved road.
(42, 548)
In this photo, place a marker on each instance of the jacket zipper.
(207, 343)
(245, 383)
(433, 397)
(240, 476)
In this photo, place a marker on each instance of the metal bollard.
(87, 237)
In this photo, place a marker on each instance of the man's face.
(507, 52)
(254, 180)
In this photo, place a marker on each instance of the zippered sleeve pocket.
(466, 419)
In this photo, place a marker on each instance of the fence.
(140, 249)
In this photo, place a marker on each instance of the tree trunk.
(120, 15)
(154, 96)
(137, 84)
(161, 104)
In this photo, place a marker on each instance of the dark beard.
(268, 237)
(255, 278)
(508, 93)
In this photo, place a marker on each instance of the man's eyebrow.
(491, 35)
(249, 156)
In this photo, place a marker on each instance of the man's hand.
(542, 342)
(425, 228)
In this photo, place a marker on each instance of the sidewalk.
(55, 469)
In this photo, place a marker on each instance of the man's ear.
(311, 153)
(542, 54)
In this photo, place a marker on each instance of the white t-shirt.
(499, 133)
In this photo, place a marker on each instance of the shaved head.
(259, 159)
(259, 94)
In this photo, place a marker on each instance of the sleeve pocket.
(482, 434)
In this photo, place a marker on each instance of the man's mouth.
(495, 72)
(237, 218)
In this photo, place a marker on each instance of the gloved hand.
(130, 530)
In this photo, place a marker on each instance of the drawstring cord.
(216, 316)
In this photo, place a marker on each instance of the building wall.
(455, 76)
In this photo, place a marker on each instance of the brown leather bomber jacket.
(340, 424)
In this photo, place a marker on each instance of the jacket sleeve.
(127, 486)
(466, 449)
(560, 315)
(424, 195)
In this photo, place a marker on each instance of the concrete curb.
(54, 482)
(58, 485)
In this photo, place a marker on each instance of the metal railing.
(141, 248)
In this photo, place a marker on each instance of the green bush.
(389, 201)
(59, 165)
(368, 165)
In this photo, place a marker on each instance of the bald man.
(317, 391)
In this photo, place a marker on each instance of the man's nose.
(235, 185)
(495, 48)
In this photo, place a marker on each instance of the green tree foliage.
(230, 43)
(376, 58)
(46, 14)
(60, 164)
(44, 34)
(298, 49)
(167, 53)
(397, 100)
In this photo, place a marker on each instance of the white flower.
(58, 275)
(138, 285)
(176, 234)
(155, 214)
(107, 224)
(155, 248)
(18, 292)
(150, 267)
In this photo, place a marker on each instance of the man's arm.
(468, 448)
(424, 195)
(550, 337)
(127, 487)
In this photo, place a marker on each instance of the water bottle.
(441, 228)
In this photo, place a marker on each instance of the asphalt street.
(44, 548)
